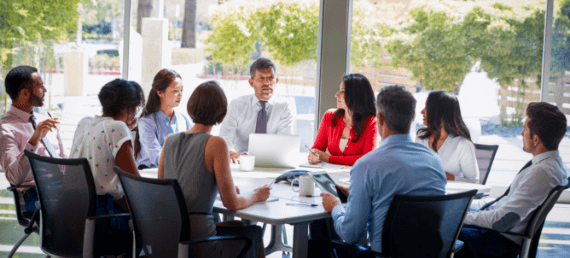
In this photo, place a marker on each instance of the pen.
(311, 196)
(310, 149)
(51, 117)
(301, 204)
(271, 183)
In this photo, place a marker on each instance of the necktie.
(51, 151)
(508, 189)
(261, 124)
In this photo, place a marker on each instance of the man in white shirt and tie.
(260, 112)
(543, 130)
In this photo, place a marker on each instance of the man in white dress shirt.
(543, 130)
(260, 112)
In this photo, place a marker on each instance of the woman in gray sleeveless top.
(200, 163)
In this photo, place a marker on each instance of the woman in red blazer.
(350, 131)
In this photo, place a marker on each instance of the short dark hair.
(118, 95)
(261, 64)
(208, 104)
(19, 78)
(398, 107)
(548, 122)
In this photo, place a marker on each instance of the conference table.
(280, 212)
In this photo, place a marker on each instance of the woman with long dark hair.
(159, 118)
(447, 135)
(350, 131)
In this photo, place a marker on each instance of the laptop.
(275, 150)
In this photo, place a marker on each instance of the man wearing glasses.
(260, 112)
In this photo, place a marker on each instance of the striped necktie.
(51, 151)
(261, 124)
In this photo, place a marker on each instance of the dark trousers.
(113, 235)
(482, 243)
(321, 232)
(31, 197)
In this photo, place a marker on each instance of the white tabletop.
(278, 212)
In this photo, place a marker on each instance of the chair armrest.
(89, 233)
(14, 187)
(215, 238)
(502, 232)
(105, 216)
(516, 234)
(183, 247)
(341, 244)
(480, 195)
(457, 245)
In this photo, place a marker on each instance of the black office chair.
(160, 218)
(485, 156)
(66, 192)
(531, 235)
(28, 220)
(417, 226)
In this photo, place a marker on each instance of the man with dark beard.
(21, 129)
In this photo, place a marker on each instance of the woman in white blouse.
(447, 135)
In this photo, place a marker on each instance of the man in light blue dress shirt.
(398, 166)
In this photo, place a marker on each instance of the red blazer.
(328, 137)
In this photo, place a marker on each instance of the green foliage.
(234, 36)
(27, 22)
(443, 39)
(515, 53)
(95, 11)
(439, 56)
(370, 25)
(289, 30)
(560, 61)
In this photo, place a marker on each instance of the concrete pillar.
(135, 56)
(156, 53)
(75, 72)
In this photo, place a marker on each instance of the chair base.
(17, 245)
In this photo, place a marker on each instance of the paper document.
(307, 165)
(270, 199)
(326, 166)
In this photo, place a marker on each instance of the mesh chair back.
(536, 223)
(424, 226)
(158, 213)
(22, 215)
(485, 156)
(66, 193)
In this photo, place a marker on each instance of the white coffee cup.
(306, 185)
(247, 162)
